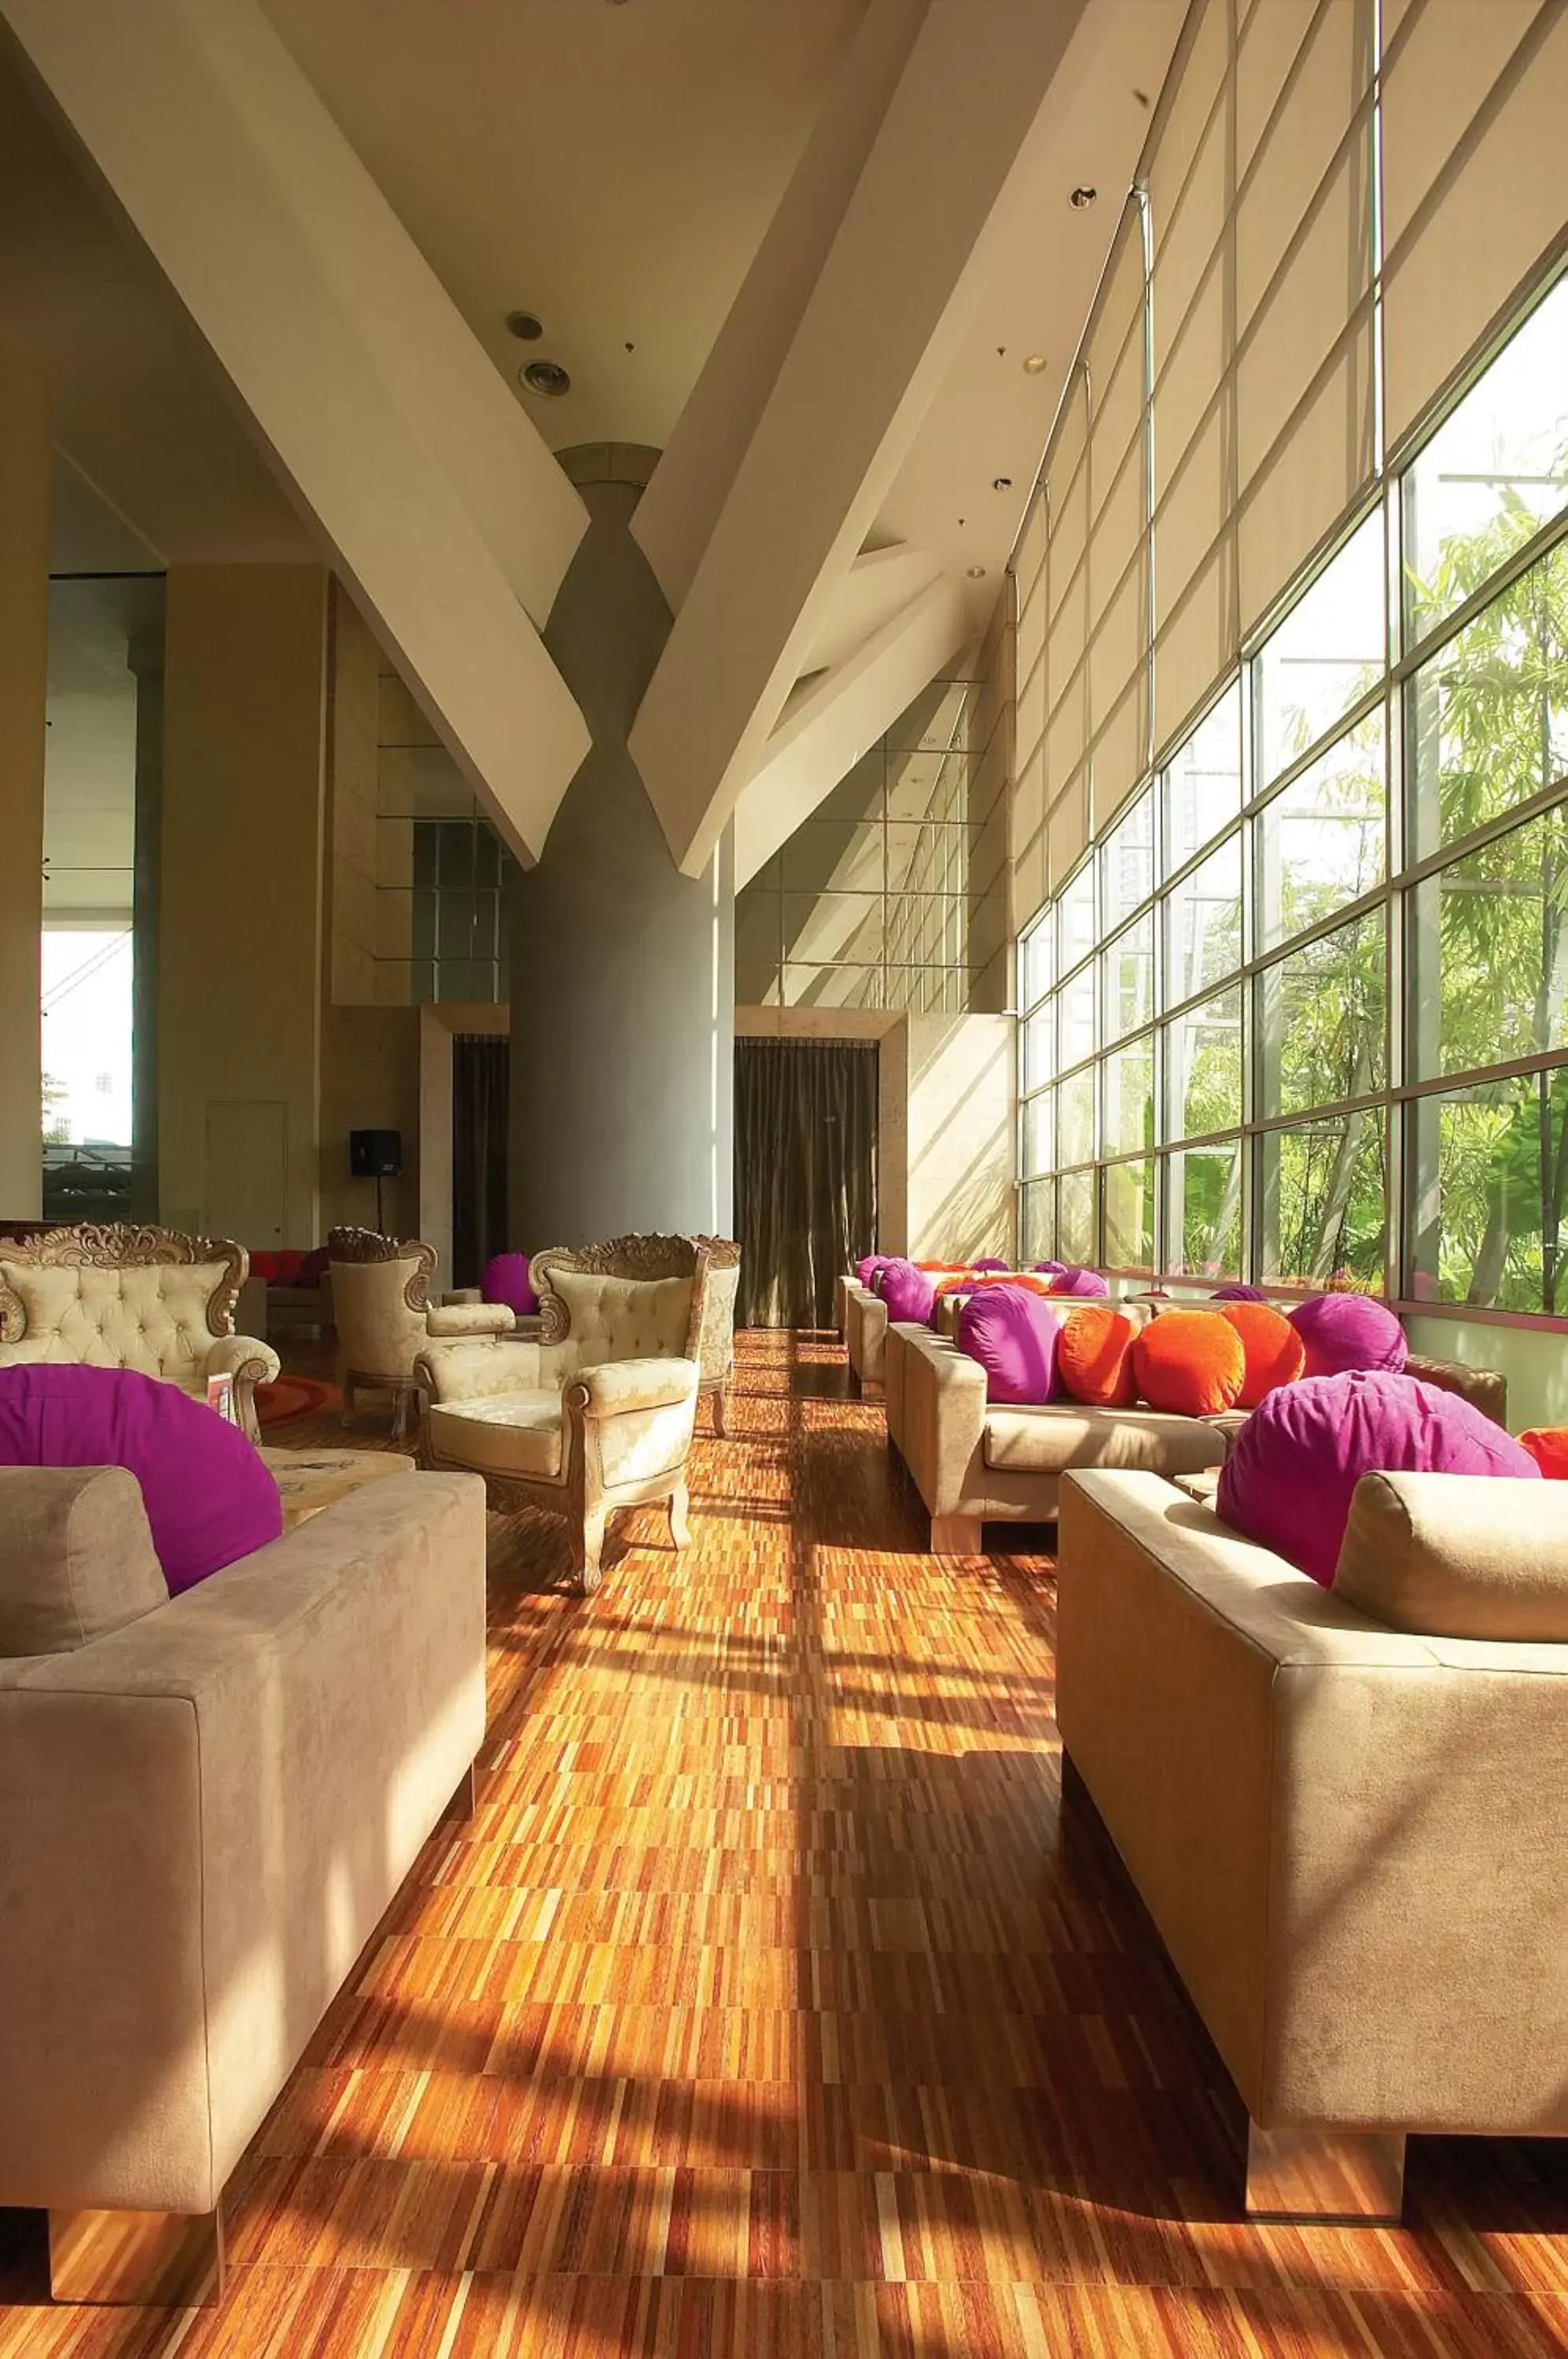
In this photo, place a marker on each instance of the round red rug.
(293, 1397)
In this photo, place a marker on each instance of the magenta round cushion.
(909, 1293)
(208, 1498)
(1341, 1332)
(1080, 1282)
(506, 1280)
(1049, 1268)
(1297, 1461)
(865, 1271)
(1239, 1294)
(989, 1264)
(1013, 1334)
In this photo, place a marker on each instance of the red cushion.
(1548, 1445)
(264, 1264)
(1190, 1363)
(1094, 1359)
(286, 1266)
(1275, 1354)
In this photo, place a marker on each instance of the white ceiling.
(610, 168)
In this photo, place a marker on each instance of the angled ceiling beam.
(433, 495)
(676, 515)
(836, 716)
(891, 303)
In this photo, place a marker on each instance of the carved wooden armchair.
(597, 1416)
(385, 1317)
(570, 1282)
(124, 1297)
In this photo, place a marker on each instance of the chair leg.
(348, 1400)
(170, 2259)
(721, 1412)
(680, 1509)
(586, 1548)
(400, 1399)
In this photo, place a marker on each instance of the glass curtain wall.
(1294, 1010)
(98, 953)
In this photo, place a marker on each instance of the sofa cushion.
(1273, 1351)
(1236, 1292)
(506, 1281)
(209, 1498)
(1013, 1334)
(501, 1434)
(1190, 1363)
(1050, 1440)
(1341, 1331)
(908, 1293)
(1294, 1468)
(1094, 1357)
(1458, 1556)
(1081, 1282)
(76, 1556)
(1548, 1445)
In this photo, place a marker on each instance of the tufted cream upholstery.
(170, 1319)
(625, 1318)
(501, 1433)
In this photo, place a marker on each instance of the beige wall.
(370, 1081)
(242, 918)
(945, 1119)
(24, 655)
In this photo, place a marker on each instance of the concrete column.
(240, 951)
(24, 670)
(622, 969)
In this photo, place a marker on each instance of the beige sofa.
(1348, 1821)
(975, 1462)
(208, 1803)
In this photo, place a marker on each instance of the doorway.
(481, 1095)
(805, 1118)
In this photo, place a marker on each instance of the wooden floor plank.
(773, 2003)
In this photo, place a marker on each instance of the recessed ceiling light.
(977, 573)
(525, 326)
(545, 376)
(1081, 197)
(1034, 363)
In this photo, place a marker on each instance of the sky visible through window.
(86, 981)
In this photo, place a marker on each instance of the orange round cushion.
(1274, 1352)
(1094, 1356)
(1191, 1362)
(1548, 1445)
(971, 1281)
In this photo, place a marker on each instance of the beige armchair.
(711, 1264)
(600, 1417)
(144, 1299)
(385, 1318)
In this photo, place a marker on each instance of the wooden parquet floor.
(772, 2004)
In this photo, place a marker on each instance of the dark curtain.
(805, 1128)
(480, 1091)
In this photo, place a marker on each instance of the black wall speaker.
(375, 1154)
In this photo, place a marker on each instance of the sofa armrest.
(1485, 1389)
(207, 1813)
(475, 1367)
(446, 1320)
(943, 1418)
(616, 1387)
